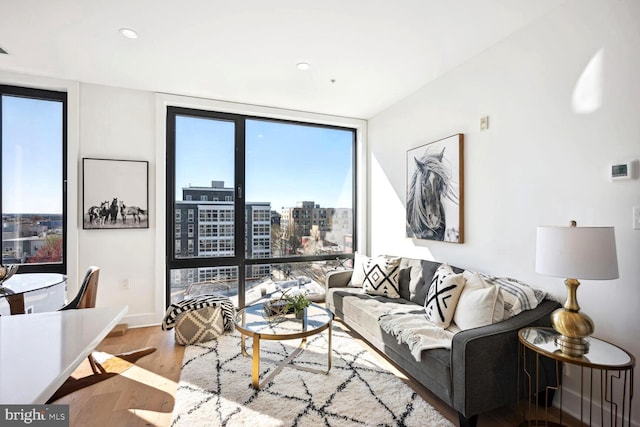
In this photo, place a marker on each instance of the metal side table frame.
(615, 384)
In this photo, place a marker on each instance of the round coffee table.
(253, 321)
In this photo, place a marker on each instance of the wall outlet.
(636, 218)
(484, 123)
(126, 284)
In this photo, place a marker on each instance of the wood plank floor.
(144, 394)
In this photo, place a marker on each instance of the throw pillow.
(429, 269)
(359, 266)
(381, 277)
(442, 299)
(480, 304)
(518, 296)
(200, 325)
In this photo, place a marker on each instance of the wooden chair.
(86, 298)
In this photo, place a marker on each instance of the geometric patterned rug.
(215, 387)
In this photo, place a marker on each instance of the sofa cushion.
(480, 304)
(442, 299)
(381, 277)
(410, 278)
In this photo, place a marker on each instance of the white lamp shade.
(577, 252)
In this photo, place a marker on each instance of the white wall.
(543, 160)
(120, 124)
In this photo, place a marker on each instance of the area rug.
(215, 387)
(112, 365)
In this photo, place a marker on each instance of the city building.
(204, 227)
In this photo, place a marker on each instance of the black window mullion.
(240, 213)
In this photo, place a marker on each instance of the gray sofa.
(479, 372)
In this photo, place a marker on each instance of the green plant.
(297, 302)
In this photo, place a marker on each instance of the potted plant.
(297, 303)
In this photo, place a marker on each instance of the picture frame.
(115, 194)
(435, 190)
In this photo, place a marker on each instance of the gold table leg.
(255, 371)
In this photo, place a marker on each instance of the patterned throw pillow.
(200, 325)
(381, 277)
(442, 299)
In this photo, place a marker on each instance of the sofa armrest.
(484, 361)
(338, 279)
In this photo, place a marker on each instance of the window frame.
(239, 260)
(45, 95)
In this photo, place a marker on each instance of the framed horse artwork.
(115, 193)
(435, 196)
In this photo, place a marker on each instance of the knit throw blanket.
(176, 309)
(416, 331)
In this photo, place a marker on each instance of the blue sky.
(31, 155)
(285, 163)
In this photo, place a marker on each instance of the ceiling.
(365, 55)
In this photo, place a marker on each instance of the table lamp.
(575, 253)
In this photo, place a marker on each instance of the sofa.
(478, 373)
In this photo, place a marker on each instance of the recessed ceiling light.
(128, 33)
(303, 66)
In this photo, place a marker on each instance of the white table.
(38, 352)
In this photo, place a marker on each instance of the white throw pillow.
(443, 296)
(480, 304)
(381, 277)
(360, 263)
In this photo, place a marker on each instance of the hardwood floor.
(144, 394)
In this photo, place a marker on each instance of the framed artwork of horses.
(115, 194)
(435, 209)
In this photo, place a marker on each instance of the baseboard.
(142, 319)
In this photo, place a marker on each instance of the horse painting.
(133, 211)
(107, 185)
(431, 185)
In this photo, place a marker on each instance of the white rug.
(215, 388)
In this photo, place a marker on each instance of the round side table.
(605, 395)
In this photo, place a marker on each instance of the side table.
(612, 393)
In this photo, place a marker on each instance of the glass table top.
(255, 319)
(601, 354)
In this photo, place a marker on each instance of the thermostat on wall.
(619, 171)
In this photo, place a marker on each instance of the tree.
(50, 252)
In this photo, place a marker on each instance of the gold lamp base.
(574, 327)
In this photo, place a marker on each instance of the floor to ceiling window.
(254, 201)
(33, 141)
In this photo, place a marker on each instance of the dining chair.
(86, 298)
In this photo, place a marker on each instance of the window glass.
(33, 208)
